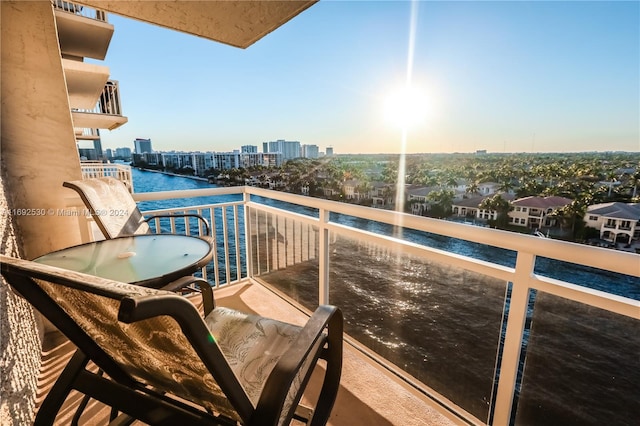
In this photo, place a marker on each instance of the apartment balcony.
(106, 113)
(83, 31)
(85, 83)
(505, 331)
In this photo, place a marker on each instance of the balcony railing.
(497, 327)
(80, 10)
(107, 112)
(97, 169)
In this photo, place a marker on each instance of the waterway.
(445, 326)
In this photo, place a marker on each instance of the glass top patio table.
(151, 260)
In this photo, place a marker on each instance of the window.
(593, 218)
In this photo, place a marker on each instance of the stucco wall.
(20, 342)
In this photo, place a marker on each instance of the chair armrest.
(197, 216)
(277, 386)
(138, 308)
(208, 300)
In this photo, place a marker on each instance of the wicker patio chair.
(166, 365)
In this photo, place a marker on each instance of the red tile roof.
(542, 202)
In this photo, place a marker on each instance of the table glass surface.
(132, 259)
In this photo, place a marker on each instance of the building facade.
(532, 212)
(617, 222)
(142, 145)
(288, 149)
(310, 151)
(249, 149)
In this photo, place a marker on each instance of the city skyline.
(500, 76)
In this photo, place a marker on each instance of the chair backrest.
(155, 351)
(111, 206)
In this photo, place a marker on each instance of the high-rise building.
(87, 154)
(289, 149)
(272, 159)
(123, 153)
(142, 145)
(310, 151)
(251, 159)
(227, 160)
(329, 151)
(249, 149)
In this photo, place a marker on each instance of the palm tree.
(499, 205)
(443, 199)
(473, 188)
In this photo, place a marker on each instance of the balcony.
(85, 82)
(83, 32)
(106, 113)
(98, 169)
(450, 332)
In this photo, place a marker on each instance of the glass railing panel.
(464, 247)
(297, 208)
(285, 255)
(581, 366)
(439, 323)
(587, 276)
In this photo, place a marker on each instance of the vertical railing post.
(514, 334)
(323, 262)
(247, 235)
(236, 232)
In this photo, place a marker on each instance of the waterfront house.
(488, 188)
(381, 194)
(617, 222)
(470, 207)
(531, 212)
(418, 199)
(484, 317)
(352, 188)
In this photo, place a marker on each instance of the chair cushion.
(153, 351)
(251, 344)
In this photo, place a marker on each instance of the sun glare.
(406, 107)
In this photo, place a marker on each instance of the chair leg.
(208, 301)
(60, 390)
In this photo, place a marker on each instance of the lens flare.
(406, 107)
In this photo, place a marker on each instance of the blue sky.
(502, 76)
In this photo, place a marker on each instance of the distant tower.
(288, 149)
(142, 145)
(310, 151)
(329, 151)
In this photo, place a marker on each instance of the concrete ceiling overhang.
(236, 23)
